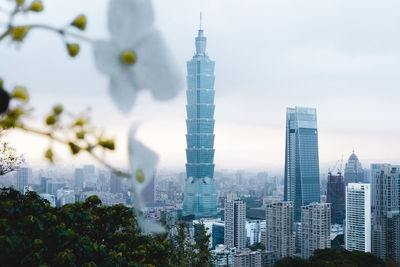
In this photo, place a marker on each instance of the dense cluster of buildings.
(362, 207)
(258, 222)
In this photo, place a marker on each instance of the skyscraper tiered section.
(200, 198)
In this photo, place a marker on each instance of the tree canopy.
(335, 257)
(81, 234)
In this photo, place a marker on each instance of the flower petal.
(122, 91)
(149, 227)
(129, 20)
(106, 56)
(142, 161)
(156, 69)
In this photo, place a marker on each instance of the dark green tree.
(33, 233)
(202, 240)
(292, 262)
(183, 248)
(335, 257)
(341, 257)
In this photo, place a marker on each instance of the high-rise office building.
(89, 174)
(315, 228)
(353, 172)
(235, 222)
(375, 169)
(385, 228)
(279, 233)
(43, 184)
(23, 176)
(115, 184)
(218, 230)
(79, 178)
(301, 158)
(200, 199)
(336, 196)
(358, 217)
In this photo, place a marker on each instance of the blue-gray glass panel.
(200, 111)
(200, 82)
(200, 170)
(199, 66)
(201, 96)
(199, 141)
(200, 126)
(200, 155)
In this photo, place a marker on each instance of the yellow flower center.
(79, 22)
(36, 6)
(18, 33)
(140, 176)
(128, 57)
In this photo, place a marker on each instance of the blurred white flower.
(136, 57)
(142, 163)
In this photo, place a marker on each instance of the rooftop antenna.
(200, 19)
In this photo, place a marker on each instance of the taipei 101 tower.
(200, 198)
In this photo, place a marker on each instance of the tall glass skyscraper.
(301, 158)
(200, 199)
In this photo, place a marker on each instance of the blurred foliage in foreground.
(33, 233)
(336, 257)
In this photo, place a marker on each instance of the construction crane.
(334, 168)
(339, 169)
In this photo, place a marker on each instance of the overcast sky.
(342, 57)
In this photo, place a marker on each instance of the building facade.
(315, 228)
(385, 228)
(253, 231)
(218, 230)
(375, 169)
(65, 196)
(53, 186)
(279, 233)
(43, 184)
(200, 199)
(336, 196)
(223, 256)
(79, 178)
(358, 217)
(353, 172)
(235, 222)
(115, 184)
(23, 176)
(89, 173)
(301, 158)
(249, 258)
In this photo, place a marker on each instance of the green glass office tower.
(301, 158)
(200, 196)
